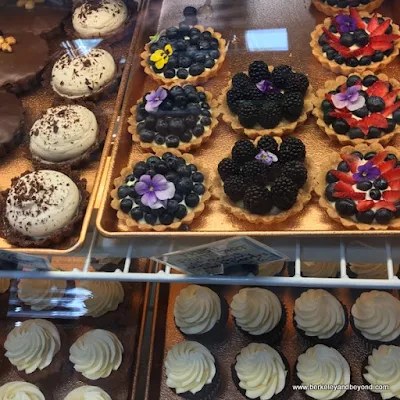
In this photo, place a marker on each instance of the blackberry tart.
(352, 43)
(333, 7)
(360, 187)
(359, 108)
(266, 100)
(163, 191)
(181, 117)
(184, 54)
(266, 181)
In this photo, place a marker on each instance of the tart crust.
(332, 11)
(194, 80)
(131, 224)
(344, 139)
(283, 128)
(183, 147)
(344, 69)
(331, 162)
(303, 198)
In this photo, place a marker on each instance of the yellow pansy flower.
(160, 57)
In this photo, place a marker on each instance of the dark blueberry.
(152, 161)
(191, 121)
(181, 212)
(369, 80)
(381, 184)
(154, 47)
(172, 62)
(366, 19)
(370, 155)
(355, 133)
(150, 122)
(332, 3)
(172, 176)
(361, 112)
(326, 106)
(340, 126)
(345, 207)
(166, 218)
(195, 39)
(162, 41)
(214, 54)
(383, 216)
(151, 172)
(184, 29)
(166, 105)
(209, 63)
(178, 197)
(193, 168)
(157, 212)
(193, 97)
(206, 113)
(181, 45)
(171, 162)
(364, 2)
(205, 105)
(332, 92)
(333, 29)
(328, 119)
(198, 177)
(207, 35)
(193, 108)
(322, 40)
(357, 154)
(176, 125)
(140, 169)
(191, 51)
(326, 48)
(374, 133)
(204, 45)
(192, 200)
(136, 214)
(391, 125)
(381, 20)
(329, 190)
(162, 127)
(140, 126)
(365, 60)
(199, 189)
(184, 185)
(375, 194)
(389, 30)
(181, 101)
(199, 58)
(188, 11)
(330, 178)
(172, 206)
(352, 62)
(198, 130)
(126, 205)
(346, 39)
(172, 33)
(182, 73)
(186, 137)
(364, 94)
(176, 91)
(364, 185)
(365, 217)
(160, 140)
(397, 213)
(130, 178)
(150, 219)
(331, 54)
(375, 104)
(167, 155)
(162, 168)
(390, 156)
(342, 4)
(184, 171)
(339, 59)
(180, 161)
(360, 37)
(343, 166)
(396, 116)
(185, 62)
(172, 141)
(388, 52)
(202, 96)
(205, 121)
(147, 136)
(214, 44)
(378, 56)
(169, 73)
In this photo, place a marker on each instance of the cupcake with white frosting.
(200, 312)
(375, 317)
(20, 390)
(87, 393)
(370, 271)
(320, 318)
(322, 365)
(261, 372)
(191, 371)
(259, 314)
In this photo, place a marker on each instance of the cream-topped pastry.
(96, 354)
(372, 271)
(319, 314)
(88, 393)
(32, 345)
(197, 309)
(99, 297)
(79, 76)
(20, 390)
(41, 294)
(63, 133)
(383, 368)
(377, 316)
(261, 371)
(98, 19)
(256, 310)
(320, 269)
(4, 285)
(189, 367)
(42, 203)
(323, 365)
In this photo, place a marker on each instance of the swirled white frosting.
(318, 313)
(377, 315)
(383, 368)
(261, 371)
(96, 354)
(189, 367)
(88, 393)
(372, 271)
(41, 203)
(256, 310)
(197, 309)
(41, 294)
(20, 390)
(63, 133)
(320, 269)
(270, 269)
(99, 19)
(100, 297)
(32, 345)
(82, 75)
(322, 365)
(4, 285)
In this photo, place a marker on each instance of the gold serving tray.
(235, 20)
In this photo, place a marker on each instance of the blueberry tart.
(181, 117)
(359, 108)
(333, 7)
(160, 192)
(348, 44)
(360, 187)
(266, 181)
(184, 54)
(266, 100)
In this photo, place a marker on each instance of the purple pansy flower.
(350, 99)
(266, 157)
(367, 172)
(155, 191)
(266, 87)
(155, 98)
(345, 23)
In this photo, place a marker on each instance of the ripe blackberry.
(284, 193)
(243, 151)
(233, 98)
(274, 97)
(235, 187)
(292, 149)
(292, 105)
(295, 171)
(254, 171)
(240, 80)
(267, 143)
(270, 115)
(248, 114)
(253, 93)
(297, 83)
(227, 167)
(258, 71)
(257, 200)
(279, 75)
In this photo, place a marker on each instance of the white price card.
(10, 261)
(216, 257)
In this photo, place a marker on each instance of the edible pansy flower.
(350, 99)
(345, 23)
(266, 157)
(154, 99)
(154, 191)
(367, 172)
(160, 57)
(266, 87)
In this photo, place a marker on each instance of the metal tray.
(234, 20)
(165, 335)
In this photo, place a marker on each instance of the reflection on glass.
(267, 39)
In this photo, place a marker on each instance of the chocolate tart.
(127, 176)
(329, 46)
(20, 70)
(139, 117)
(278, 119)
(16, 238)
(184, 32)
(358, 200)
(358, 126)
(11, 122)
(291, 200)
(366, 5)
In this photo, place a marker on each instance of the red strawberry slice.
(365, 205)
(341, 49)
(373, 23)
(360, 23)
(391, 109)
(390, 98)
(331, 36)
(351, 161)
(328, 96)
(381, 46)
(363, 51)
(395, 185)
(342, 176)
(392, 196)
(385, 204)
(379, 88)
(381, 29)
(384, 38)
(392, 175)
(387, 166)
(343, 187)
(375, 119)
(350, 195)
(379, 158)
(340, 114)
